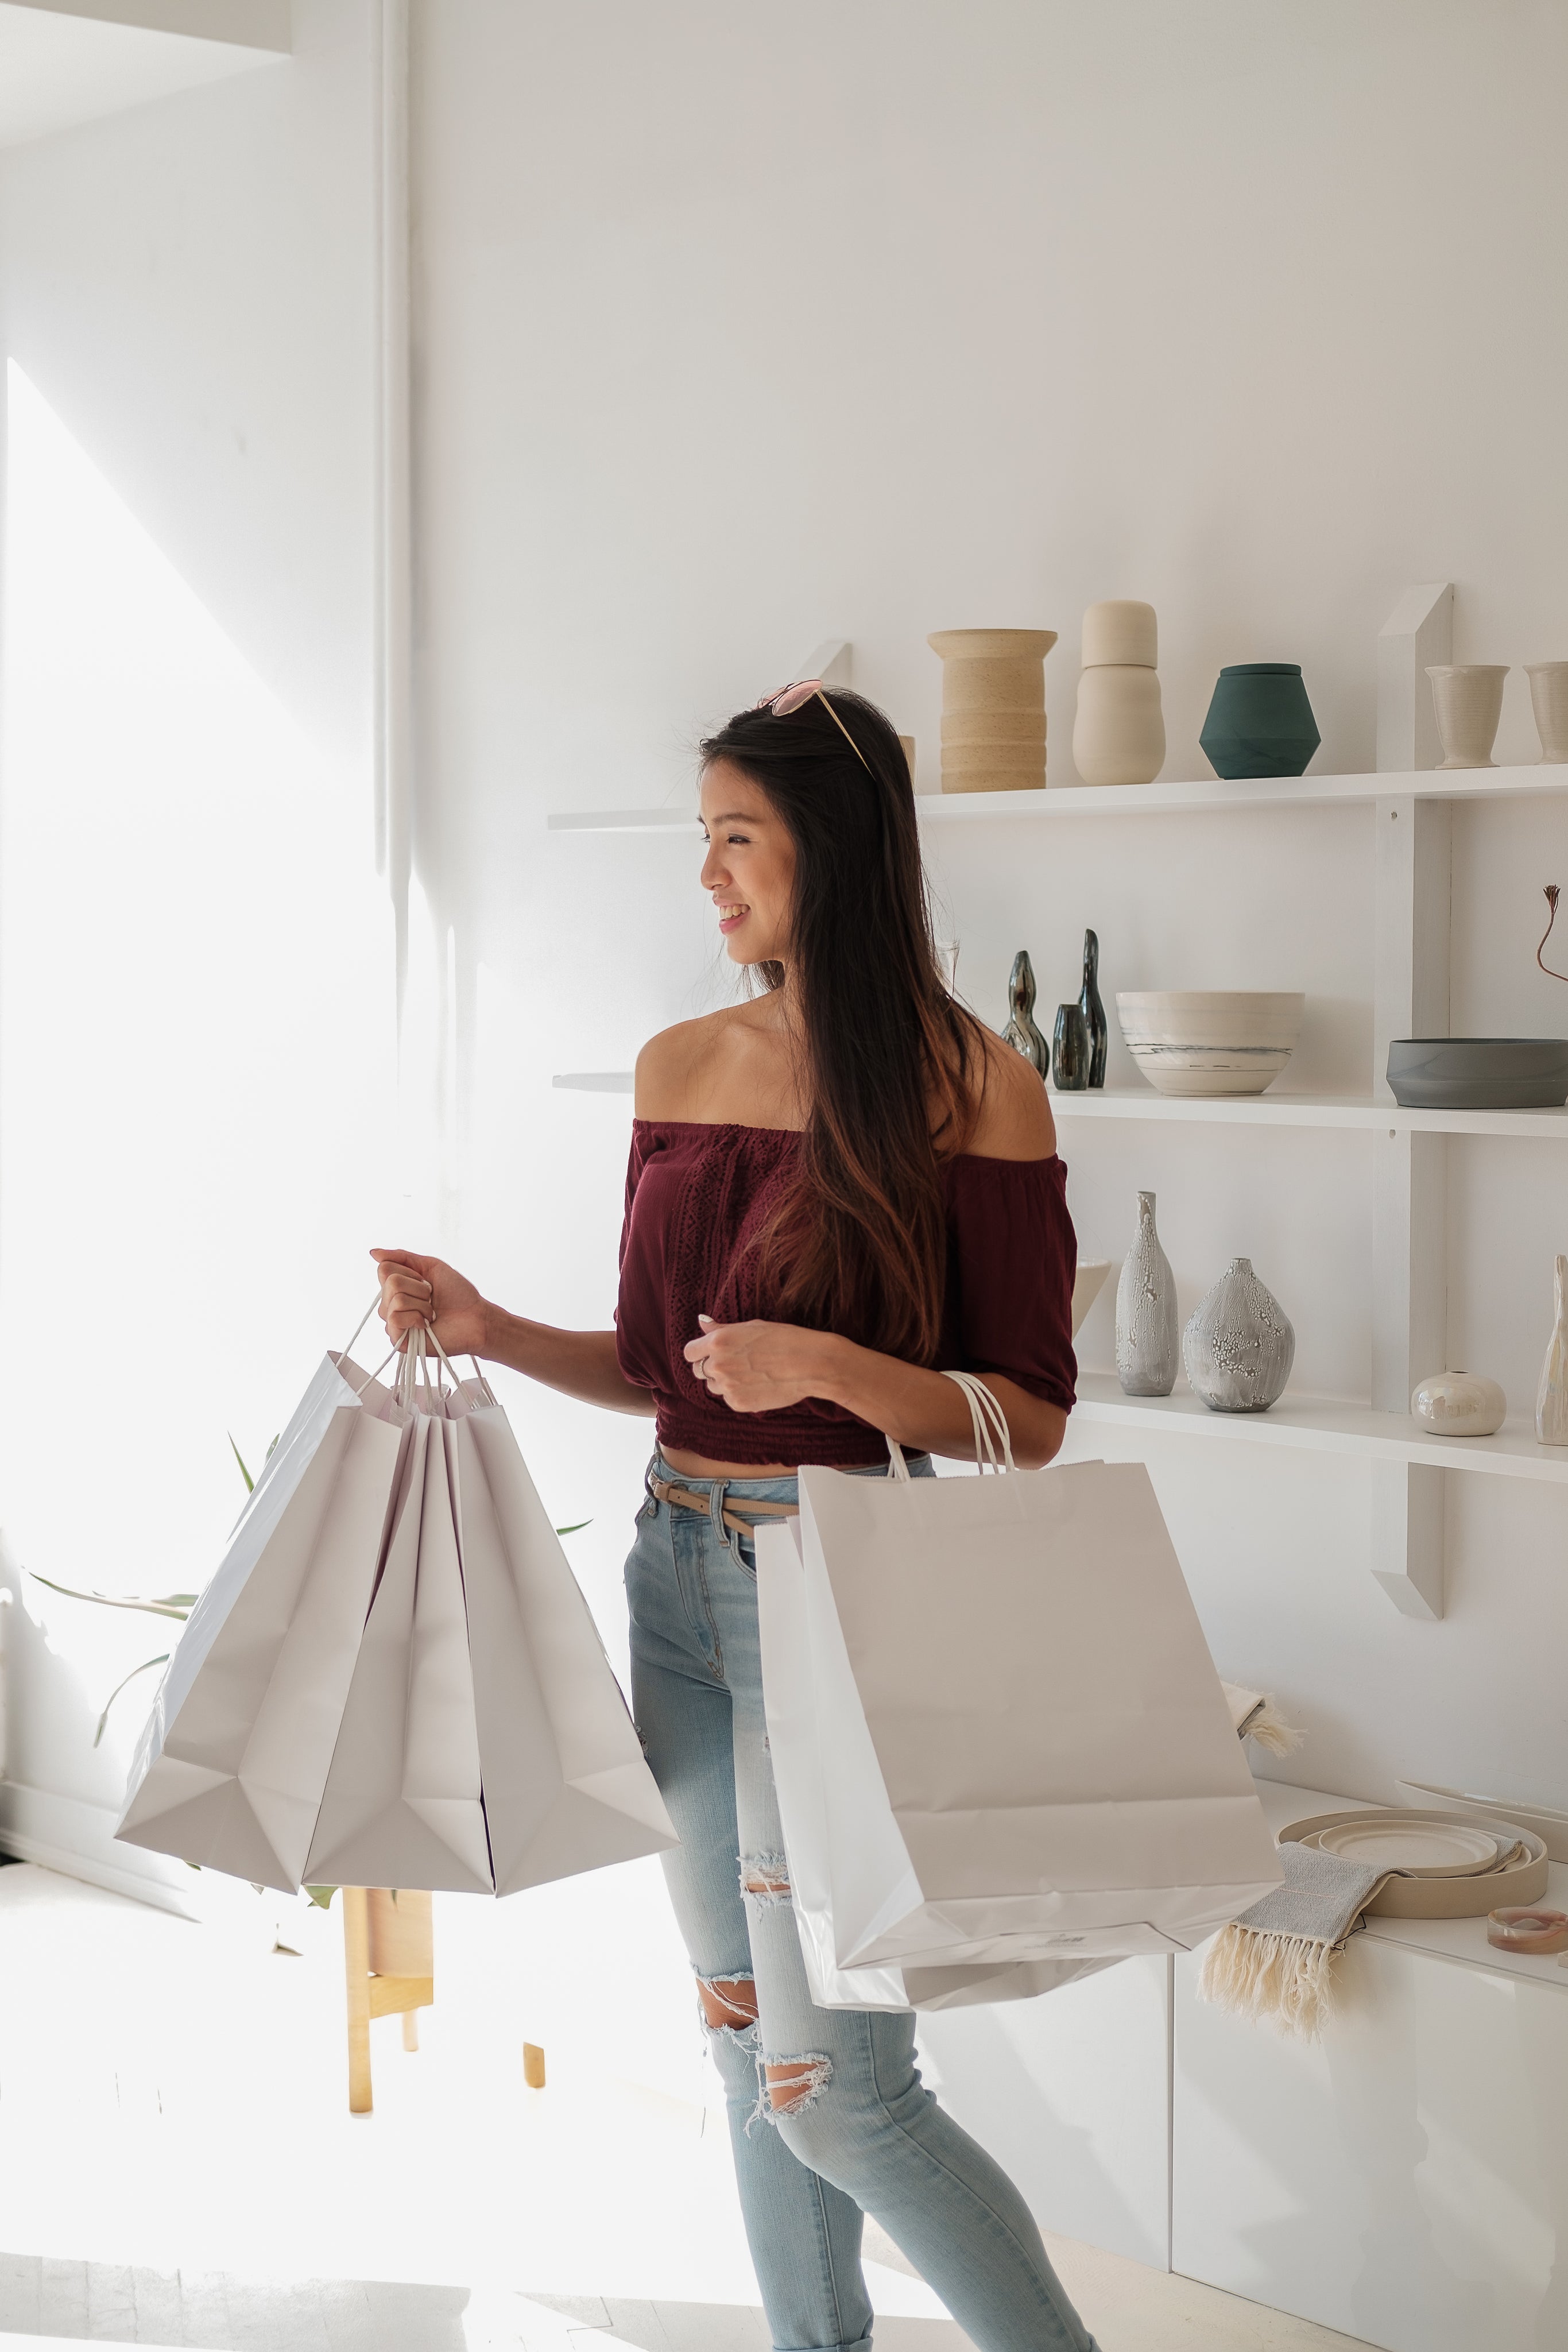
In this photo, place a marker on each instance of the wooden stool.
(390, 1962)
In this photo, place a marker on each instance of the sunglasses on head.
(790, 698)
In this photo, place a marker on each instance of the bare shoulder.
(1014, 1120)
(670, 1066)
(695, 1070)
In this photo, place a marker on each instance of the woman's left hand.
(756, 1367)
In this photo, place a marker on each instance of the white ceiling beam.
(245, 24)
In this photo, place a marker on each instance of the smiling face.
(750, 867)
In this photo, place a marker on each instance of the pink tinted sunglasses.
(790, 698)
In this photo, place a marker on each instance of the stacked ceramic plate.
(1437, 1865)
(1217, 1041)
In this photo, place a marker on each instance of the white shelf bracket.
(830, 661)
(1411, 872)
(1407, 1528)
(1419, 630)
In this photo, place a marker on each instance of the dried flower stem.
(1551, 897)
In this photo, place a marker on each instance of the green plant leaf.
(177, 1605)
(321, 1896)
(575, 1526)
(145, 1668)
(239, 1457)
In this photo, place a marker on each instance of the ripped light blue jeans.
(845, 2127)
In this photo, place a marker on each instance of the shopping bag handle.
(990, 1423)
(487, 1393)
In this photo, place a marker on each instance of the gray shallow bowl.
(1478, 1073)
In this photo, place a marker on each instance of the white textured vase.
(1468, 697)
(1458, 1404)
(1239, 1345)
(1551, 1396)
(1548, 700)
(1148, 1335)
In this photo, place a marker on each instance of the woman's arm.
(755, 1367)
(582, 1364)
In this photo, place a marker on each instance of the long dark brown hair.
(890, 1068)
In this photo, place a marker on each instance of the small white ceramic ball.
(1458, 1404)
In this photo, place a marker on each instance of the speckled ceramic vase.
(1239, 1346)
(1148, 1333)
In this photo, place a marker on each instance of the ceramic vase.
(1021, 1031)
(1119, 732)
(993, 709)
(1468, 697)
(1093, 1012)
(1458, 1404)
(1071, 1051)
(1260, 721)
(1239, 1346)
(1549, 699)
(1551, 1396)
(1148, 1333)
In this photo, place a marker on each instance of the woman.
(836, 1187)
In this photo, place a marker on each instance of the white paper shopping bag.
(403, 1804)
(230, 1767)
(567, 1786)
(795, 1747)
(1025, 1750)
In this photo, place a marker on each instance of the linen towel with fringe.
(1275, 1964)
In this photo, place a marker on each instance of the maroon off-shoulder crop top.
(696, 1194)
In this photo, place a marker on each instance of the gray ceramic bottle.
(1021, 1033)
(1239, 1346)
(1148, 1336)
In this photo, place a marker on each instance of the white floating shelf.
(1304, 1110)
(1325, 1426)
(1152, 800)
(1352, 1111)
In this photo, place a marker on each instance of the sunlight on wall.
(197, 1130)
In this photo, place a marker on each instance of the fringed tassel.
(1285, 1981)
(1268, 1727)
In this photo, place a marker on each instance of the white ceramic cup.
(1549, 697)
(1468, 700)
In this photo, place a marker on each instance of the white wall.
(736, 333)
(196, 1146)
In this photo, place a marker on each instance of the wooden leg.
(357, 1970)
(411, 2028)
(533, 2066)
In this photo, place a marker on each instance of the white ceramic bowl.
(1220, 1040)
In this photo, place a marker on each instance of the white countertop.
(1464, 1940)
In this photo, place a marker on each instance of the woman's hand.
(756, 1367)
(419, 1290)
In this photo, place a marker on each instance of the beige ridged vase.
(993, 709)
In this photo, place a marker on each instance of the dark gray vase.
(1071, 1059)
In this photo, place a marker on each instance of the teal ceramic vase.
(1260, 722)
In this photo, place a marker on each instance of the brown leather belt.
(683, 1499)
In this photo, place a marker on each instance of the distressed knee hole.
(728, 2003)
(765, 1877)
(794, 2083)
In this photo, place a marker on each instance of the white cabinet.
(1406, 2179)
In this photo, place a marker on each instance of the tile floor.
(178, 2165)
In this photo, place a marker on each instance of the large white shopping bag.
(403, 1804)
(230, 1767)
(1024, 1749)
(796, 1757)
